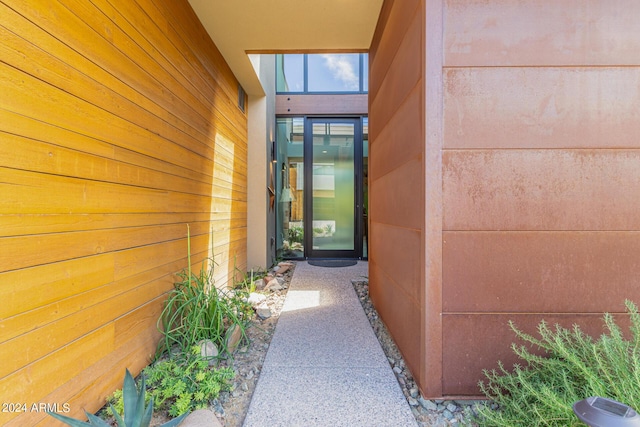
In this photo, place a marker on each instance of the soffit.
(241, 26)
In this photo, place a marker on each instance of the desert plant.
(136, 412)
(184, 384)
(197, 310)
(247, 283)
(328, 229)
(574, 366)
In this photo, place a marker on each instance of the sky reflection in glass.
(332, 73)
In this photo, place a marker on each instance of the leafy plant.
(575, 366)
(296, 235)
(328, 229)
(116, 403)
(136, 412)
(247, 284)
(196, 310)
(181, 385)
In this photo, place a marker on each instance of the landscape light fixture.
(273, 152)
(602, 412)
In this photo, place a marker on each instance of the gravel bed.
(438, 413)
(231, 407)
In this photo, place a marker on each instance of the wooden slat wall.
(119, 126)
(540, 172)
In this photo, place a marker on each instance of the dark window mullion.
(305, 73)
(361, 73)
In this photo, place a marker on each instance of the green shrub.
(574, 367)
(182, 385)
(178, 385)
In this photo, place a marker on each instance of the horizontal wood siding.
(119, 127)
(540, 172)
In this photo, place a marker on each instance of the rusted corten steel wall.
(119, 126)
(541, 171)
(396, 173)
(539, 167)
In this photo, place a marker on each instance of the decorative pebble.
(432, 413)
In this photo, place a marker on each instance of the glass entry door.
(333, 188)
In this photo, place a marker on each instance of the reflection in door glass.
(333, 185)
(289, 187)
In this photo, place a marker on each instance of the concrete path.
(325, 366)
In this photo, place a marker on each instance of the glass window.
(334, 72)
(333, 186)
(318, 73)
(365, 72)
(289, 191)
(290, 73)
(365, 187)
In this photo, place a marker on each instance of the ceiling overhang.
(240, 27)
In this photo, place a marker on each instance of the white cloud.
(342, 70)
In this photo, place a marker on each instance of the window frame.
(305, 75)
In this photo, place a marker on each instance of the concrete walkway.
(325, 366)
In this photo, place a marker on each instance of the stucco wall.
(261, 253)
(119, 126)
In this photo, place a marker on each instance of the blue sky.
(327, 72)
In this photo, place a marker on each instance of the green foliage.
(184, 384)
(247, 283)
(116, 403)
(196, 310)
(328, 229)
(296, 235)
(136, 412)
(574, 367)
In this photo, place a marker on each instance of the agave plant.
(135, 412)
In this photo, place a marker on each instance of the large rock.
(266, 279)
(256, 299)
(201, 417)
(259, 284)
(263, 311)
(282, 269)
(274, 285)
(209, 351)
(234, 335)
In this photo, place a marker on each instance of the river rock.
(234, 335)
(209, 351)
(263, 311)
(256, 299)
